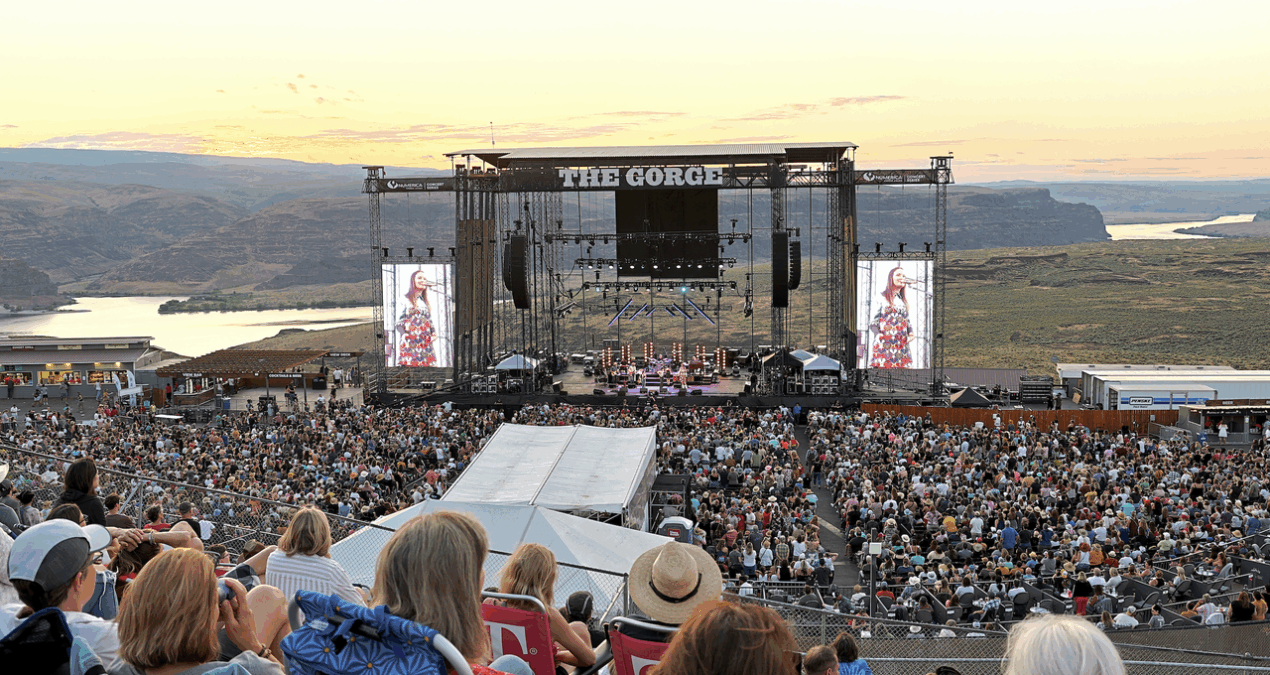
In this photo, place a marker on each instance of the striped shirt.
(310, 573)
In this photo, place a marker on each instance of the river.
(189, 334)
(1169, 230)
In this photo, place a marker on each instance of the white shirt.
(310, 573)
(100, 634)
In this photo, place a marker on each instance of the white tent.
(821, 362)
(517, 362)
(606, 549)
(801, 354)
(579, 469)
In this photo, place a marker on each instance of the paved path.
(831, 536)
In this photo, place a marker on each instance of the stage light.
(410, 251)
(654, 266)
(679, 266)
(877, 247)
(577, 240)
(683, 289)
(927, 247)
(597, 289)
(431, 252)
(734, 285)
(610, 267)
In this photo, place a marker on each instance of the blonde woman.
(167, 620)
(303, 560)
(532, 571)
(431, 572)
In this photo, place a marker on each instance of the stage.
(574, 381)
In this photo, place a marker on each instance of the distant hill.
(1160, 201)
(1262, 215)
(24, 287)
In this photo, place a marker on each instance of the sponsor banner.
(415, 184)
(895, 177)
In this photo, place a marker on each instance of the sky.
(1015, 90)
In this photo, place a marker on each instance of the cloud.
(220, 91)
(293, 88)
(320, 100)
(863, 100)
(639, 113)
(313, 86)
(8, 126)
(919, 144)
(1099, 161)
(522, 132)
(795, 110)
(300, 76)
(125, 140)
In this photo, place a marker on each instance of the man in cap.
(667, 583)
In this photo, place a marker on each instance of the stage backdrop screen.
(893, 309)
(418, 315)
(656, 211)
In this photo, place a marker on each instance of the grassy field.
(1135, 301)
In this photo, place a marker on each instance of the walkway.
(831, 536)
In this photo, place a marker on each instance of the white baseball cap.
(52, 553)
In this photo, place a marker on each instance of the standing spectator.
(303, 560)
(722, 638)
(81, 485)
(1081, 591)
(848, 652)
(1061, 645)
(1242, 608)
(113, 516)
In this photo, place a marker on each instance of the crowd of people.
(1074, 511)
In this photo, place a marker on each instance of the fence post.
(823, 621)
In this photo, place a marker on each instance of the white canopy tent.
(581, 470)
(606, 550)
(517, 362)
(821, 362)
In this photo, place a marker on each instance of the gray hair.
(1061, 645)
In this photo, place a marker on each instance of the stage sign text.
(642, 177)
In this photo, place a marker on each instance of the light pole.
(875, 550)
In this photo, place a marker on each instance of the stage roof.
(659, 154)
(243, 362)
(576, 468)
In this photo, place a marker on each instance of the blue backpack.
(341, 638)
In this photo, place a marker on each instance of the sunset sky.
(1017, 90)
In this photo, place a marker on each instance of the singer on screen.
(891, 327)
(415, 329)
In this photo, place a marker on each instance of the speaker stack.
(780, 269)
(515, 270)
(795, 264)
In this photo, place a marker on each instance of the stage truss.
(495, 200)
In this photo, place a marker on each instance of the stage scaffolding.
(500, 194)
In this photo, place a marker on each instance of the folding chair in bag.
(338, 637)
(43, 645)
(520, 632)
(632, 656)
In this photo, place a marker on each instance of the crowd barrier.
(1137, 421)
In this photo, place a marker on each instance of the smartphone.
(223, 591)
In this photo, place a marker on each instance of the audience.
(723, 638)
(431, 572)
(531, 571)
(81, 484)
(303, 560)
(667, 584)
(168, 621)
(848, 653)
(1061, 645)
(820, 660)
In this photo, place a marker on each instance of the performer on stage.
(891, 326)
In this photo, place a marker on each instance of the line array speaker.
(795, 264)
(515, 269)
(780, 269)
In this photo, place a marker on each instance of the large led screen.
(893, 312)
(418, 315)
(689, 219)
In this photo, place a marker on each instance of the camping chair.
(41, 645)
(632, 656)
(338, 637)
(520, 632)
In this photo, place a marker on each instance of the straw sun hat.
(669, 581)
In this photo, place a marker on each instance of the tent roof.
(574, 540)
(244, 362)
(782, 358)
(802, 354)
(517, 362)
(969, 398)
(821, 362)
(575, 468)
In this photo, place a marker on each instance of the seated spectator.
(722, 638)
(154, 519)
(532, 571)
(303, 562)
(578, 609)
(80, 488)
(848, 653)
(667, 583)
(168, 621)
(1126, 619)
(1242, 609)
(1157, 619)
(820, 660)
(51, 565)
(1061, 645)
(430, 572)
(114, 518)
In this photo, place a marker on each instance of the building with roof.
(82, 363)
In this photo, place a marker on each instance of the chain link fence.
(235, 519)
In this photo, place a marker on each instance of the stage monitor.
(694, 211)
(893, 312)
(418, 315)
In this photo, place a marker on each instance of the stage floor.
(574, 382)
